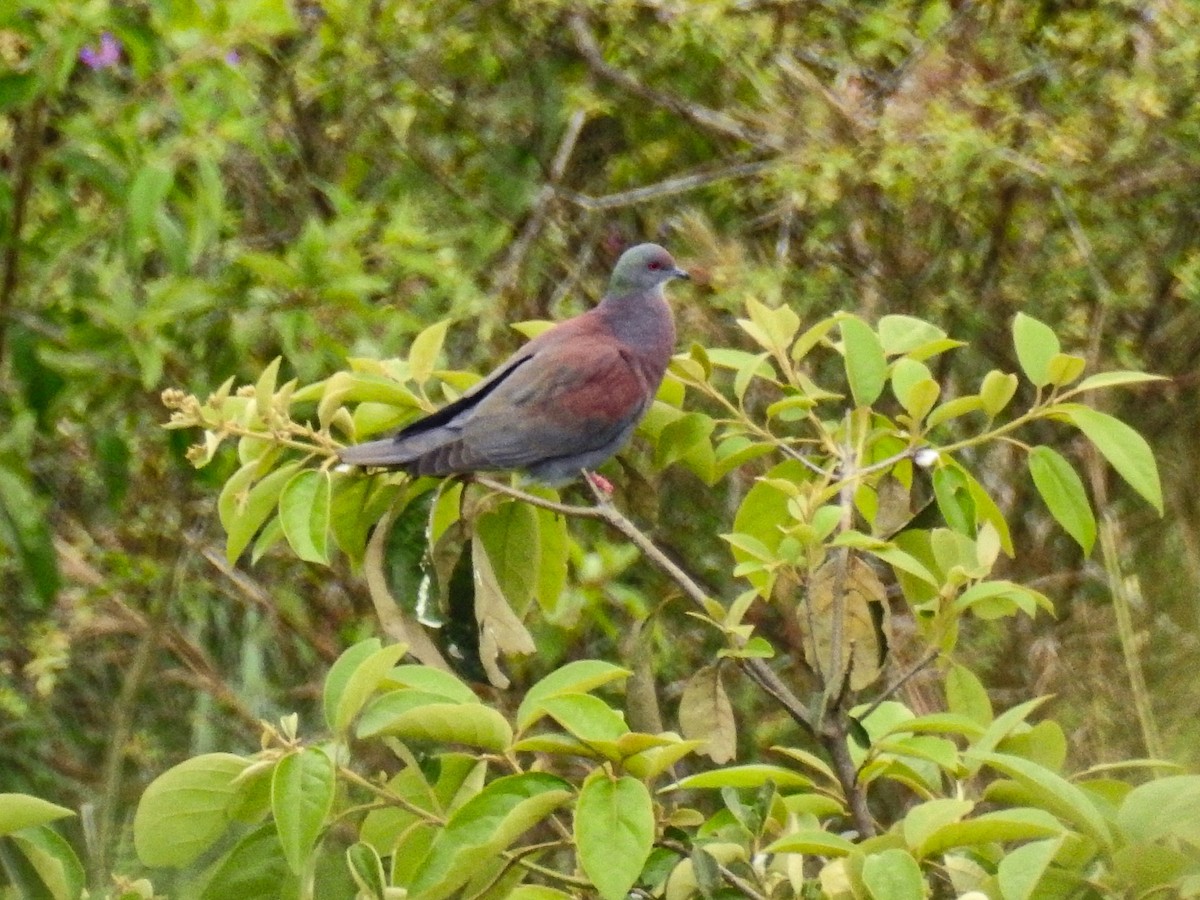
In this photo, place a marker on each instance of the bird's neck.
(641, 320)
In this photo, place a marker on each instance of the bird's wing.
(568, 399)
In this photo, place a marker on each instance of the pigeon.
(562, 404)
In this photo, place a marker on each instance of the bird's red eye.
(655, 265)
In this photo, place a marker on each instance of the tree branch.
(756, 669)
(710, 119)
(506, 275)
(677, 185)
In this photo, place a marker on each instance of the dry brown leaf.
(500, 631)
(705, 714)
(849, 580)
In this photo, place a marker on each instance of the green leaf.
(1052, 793)
(993, 599)
(19, 811)
(264, 389)
(998, 827)
(302, 788)
(900, 334)
(926, 818)
(304, 513)
(254, 870)
(487, 824)
(185, 809)
(812, 336)
(773, 329)
(358, 673)
(1062, 490)
(997, 391)
(1113, 379)
(614, 832)
(243, 512)
(953, 409)
(555, 547)
(576, 677)
(55, 862)
(432, 681)
(423, 354)
(586, 717)
(748, 776)
(966, 695)
(812, 841)
(1162, 808)
(907, 376)
(367, 870)
(1021, 869)
(1064, 368)
(510, 536)
(1036, 345)
(1125, 449)
(893, 875)
(678, 438)
(866, 365)
(450, 723)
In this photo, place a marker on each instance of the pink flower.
(106, 56)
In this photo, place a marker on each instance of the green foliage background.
(259, 178)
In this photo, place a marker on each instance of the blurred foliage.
(222, 183)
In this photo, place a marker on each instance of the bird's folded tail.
(398, 451)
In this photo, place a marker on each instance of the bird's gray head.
(643, 268)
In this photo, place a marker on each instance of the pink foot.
(600, 483)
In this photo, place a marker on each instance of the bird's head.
(643, 268)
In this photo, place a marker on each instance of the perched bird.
(565, 402)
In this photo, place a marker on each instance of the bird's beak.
(679, 273)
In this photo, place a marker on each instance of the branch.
(506, 275)
(710, 119)
(903, 680)
(756, 669)
(678, 185)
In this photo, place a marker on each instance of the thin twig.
(710, 119)
(731, 878)
(509, 270)
(893, 689)
(756, 669)
(677, 185)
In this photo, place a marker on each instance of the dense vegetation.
(192, 191)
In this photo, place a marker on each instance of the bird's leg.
(600, 485)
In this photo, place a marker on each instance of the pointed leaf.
(423, 354)
(893, 875)
(185, 809)
(485, 825)
(614, 832)
(1036, 345)
(347, 688)
(55, 862)
(19, 811)
(866, 365)
(1113, 379)
(1052, 792)
(304, 512)
(1062, 489)
(576, 677)
(1125, 449)
(1020, 870)
(301, 799)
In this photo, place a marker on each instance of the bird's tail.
(385, 452)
